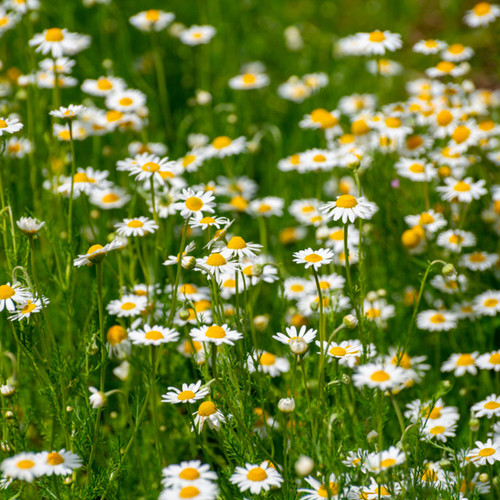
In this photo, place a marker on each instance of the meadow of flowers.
(249, 250)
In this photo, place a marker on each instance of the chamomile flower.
(267, 206)
(457, 52)
(109, 198)
(436, 321)
(347, 207)
(439, 429)
(378, 310)
(431, 411)
(10, 126)
(313, 258)
(152, 20)
(386, 459)
(118, 343)
(96, 253)
(256, 478)
(197, 35)
(295, 287)
(249, 81)
(68, 113)
(217, 264)
(103, 86)
(188, 394)
(223, 146)
(488, 303)
(294, 90)
(59, 463)
(59, 42)
(128, 306)
(147, 166)
(489, 361)
(206, 222)
(479, 261)
(429, 46)
(415, 169)
(29, 225)
(379, 376)
(267, 363)
(319, 491)
(31, 306)
(215, 334)
(489, 407)
(10, 295)
(126, 101)
(460, 364)
(238, 247)
(378, 42)
(208, 413)
(344, 350)
(456, 239)
(25, 466)
(447, 68)
(195, 203)
(153, 335)
(188, 472)
(140, 226)
(485, 453)
(306, 334)
(482, 14)
(376, 490)
(429, 220)
(97, 398)
(18, 147)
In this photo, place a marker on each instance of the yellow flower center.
(359, 127)
(495, 358)
(151, 166)
(445, 66)
(425, 219)
(110, 198)
(295, 159)
(128, 306)
(376, 36)
(429, 475)
(319, 158)
(189, 473)
(93, 249)
(185, 396)
(337, 235)
(236, 243)
(465, 360)
(491, 405)
(431, 44)
(104, 84)
(25, 464)
(388, 462)
(152, 15)
(257, 474)
(417, 168)
(486, 452)
(206, 409)
(438, 429)
(114, 115)
(54, 35)
(477, 257)
(346, 201)
(28, 308)
(116, 334)
(437, 318)
(455, 239)
(207, 220)
(267, 359)
(135, 223)
(55, 458)
(313, 257)
(461, 134)
(333, 487)
(337, 351)
(125, 101)
(189, 492)
(187, 160)
(297, 288)
(82, 177)
(6, 292)
(194, 204)
(239, 203)
(380, 376)
(216, 260)
(481, 9)
(154, 335)
(414, 142)
(324, 118)
(402, 360)
(249, 79)
(456, 48)
(215, 332)
(372, 313)
(490, 302)
(3, 124)
(221, 142)
(393, 122)
(264, 207)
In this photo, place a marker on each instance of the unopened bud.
(372, 296)
(257, 270)
(314, 306)
(304, 465)
(189, 262)
(448, 270)
(345, 379)
(286, 405)
(372, 436)
(69, 409)
(261, 322)
(7, 390)
(462, 392)
(184, 314)
(299, 346)
(350, 321)
(381, 292)
(9, 414)
(68, 480)
(474, 424)
(483, 478)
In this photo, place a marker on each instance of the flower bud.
(286, 405)
(372, 296)
(372, 436)
(257, 270)
(314, 306)
(299, 346)
(188, 262)
(483, 478)
(7, 390)
(345, 379)
(350, 321)
(474, 424)
(184, 314)
(448, 270)
(9, 414)
(304, 465)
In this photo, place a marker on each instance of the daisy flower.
(196, 35)
(188, 472)
(118, 343)
(306, 334)
(429, 46)
(140, 226)
(29, 225)
(147, 166)
(32, 306)
(479, 261)
(207, 222)
(153, 335)
(447, 68)
(189, 394)
(462, 190)
(386, 459)
(376, 491)
(217, 264)
(489, 407)
(295, 287)
(378, 376)
(109, 198)
(431, 411)
(172, 260)
(201, 490)
(378, 310)
(69, 113)
(489, 361)
(319, 491)
(345, 350)
(103, 86)
(294, 90)
(215, 334)
(314, 258)
(208, 412)
(322, 119)
(456, 239)
(238, 247)
(415, 169)
(457, 52)
(128, 306)
(482, 14)
(223, 146)
(436, 321)
(347, 207)
(59, 463)
(194, 203)
(12, 295)
(96, 253)
(10, 126)
(97, 398)
(268, 363)
(249, 81)
(267, 206)
(488, 303)
(485, 453)
(335, 238)
(439, 429)
(25, 466)
(378, 42)
(256, 478)
(460, 364)
(18, 147)
(152, 20)
(430, 220)
(126, 101)
(59, 42)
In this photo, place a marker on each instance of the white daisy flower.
(482, 14)
(97, 398)
(29, 225)
(439, 429)
(460, 364)
(430, 220)
(32, 306)
(378, 42)
(489, 361)
(489, 407)
(152, 20)
(59, 463)
(436, 321)
(103, 86)
(118, 343)
(379, 376)
(238, 247)
(429, 46)
(456, 52)
(415, 169)
(11, 295)
(68, 113)
(194, 203)
(196, 35)
(249, 81)
(153, 335)
(447, 68)
(10, 126)
(485, 453)
(344, 350)
(188, 472)
(268, 363)
(208, 413)
(479, 261)
(96, 253)
(348, 207)
(376, 490)
(488, 303)
(256, 478)
(140, 226)
(313, 258)
(189, 394)
(306, 334)
(109, 198)
(267, 206)
(25, 466)
(386, 459)
(128, 306)
(126, 101)
(215, 334)
(319, 491)
(456, 239)
(207, 222)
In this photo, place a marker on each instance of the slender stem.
(154, 403)
(322, 337)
